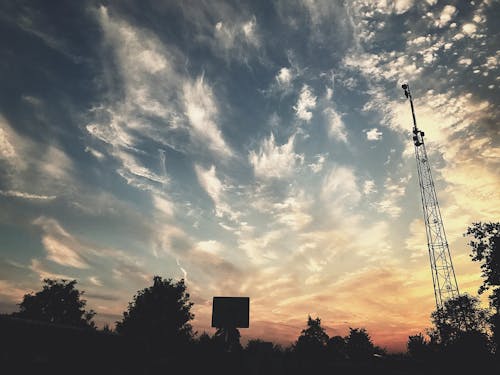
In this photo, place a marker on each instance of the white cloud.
(492, 61)
(9, 142)
(236, 39)
(374, 134)
(447, 14)
(274, 161)
(418, 40)
(305, 103)
(202, 112)
(97, 154)
(402, 6)
(369, 187)
(336, 127)
(24, 195)
(292, 211)
(393, 192)
(43, 273)
(284, 76)
(163, 205)
(30, 165)
(318, 166)
(209, 181)
(465, 61)
(260, 249)
(210, 246)
(340, 187)
(250, 31)
(60, 245)
(469, 28)
(94, 280)
(216, 190)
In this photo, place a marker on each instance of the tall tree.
(337, 348)
(228, 339)
(460, 327)
(485, 244)
(58, 302)
(158, 317)
(313, 338)
(359, 345)
(418, 346)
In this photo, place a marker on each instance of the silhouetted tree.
(257, 346)
(107, 329)
(207, 346)
(485, 246)
(359, 345)
(158, 317)
(460, 315)
(313, 339)
(460, 328)
(418, 347)
(337, 348)
(228, 339)
(58, 302)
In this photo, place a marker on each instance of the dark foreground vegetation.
(52, 333)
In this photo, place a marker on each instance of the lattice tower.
(443, 274)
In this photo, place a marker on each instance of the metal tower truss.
(443, 274)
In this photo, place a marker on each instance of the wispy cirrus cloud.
(274, 161)
(305, 104)
(202, 111)
(179, 105)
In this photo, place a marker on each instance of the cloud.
(95, 281)
(236, 38)
(12, 146)
(210, 246)
(318, 166)
(374, 135)
(201, 111)
(59, 244)
(447, 14)
(215, 189)
(274, 161)
(284, 76)
(305, 103)
(209, 181)
(95, 153)
(393, 192)
(402, 6)
(43, 273)
(159, 103)
(64, 249)
(293, 210)
(24, 195)
(163, 205)
(469, 29)
(32, 170)
(11, 291)
(336, 129)
(340, 187)
(465, 61)
(369, 187)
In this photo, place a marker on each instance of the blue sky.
(254, 148)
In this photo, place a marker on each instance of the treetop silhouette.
(158, 316)
(58, 302)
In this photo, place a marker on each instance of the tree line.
(157, 323)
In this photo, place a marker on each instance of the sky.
(253, 148)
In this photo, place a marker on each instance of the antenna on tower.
(443, 274)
